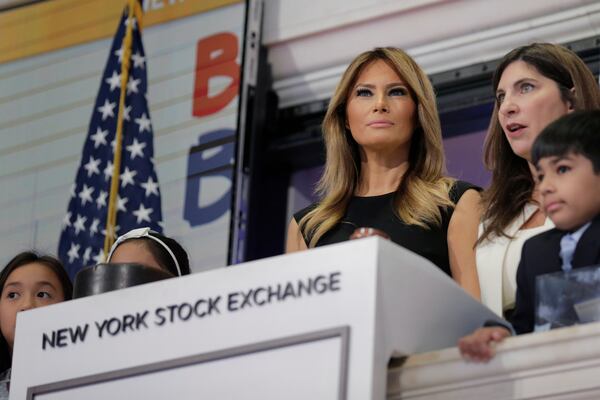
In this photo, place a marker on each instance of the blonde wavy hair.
(423, 191)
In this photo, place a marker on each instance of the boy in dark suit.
(567, 159)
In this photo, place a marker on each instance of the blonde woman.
(385, 169)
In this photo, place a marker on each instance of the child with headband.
(150, 248)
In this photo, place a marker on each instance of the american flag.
(138, 202)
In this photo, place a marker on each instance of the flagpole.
(105, 197)
(111, 217)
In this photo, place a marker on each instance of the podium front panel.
(326, 319)
(286, 365)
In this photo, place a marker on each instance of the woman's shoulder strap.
(459, 188)
(300, 214)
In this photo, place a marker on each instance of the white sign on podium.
(315, 324)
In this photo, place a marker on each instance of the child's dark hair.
(21, 259)
(577, 132)
(163, 257)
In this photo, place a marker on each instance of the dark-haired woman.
(534, 85)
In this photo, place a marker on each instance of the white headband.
(142, 233)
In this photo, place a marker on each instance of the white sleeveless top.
(498, 259)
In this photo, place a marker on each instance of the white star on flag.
(101, 200)
(142, 214)
(136, 149)
(87, 254)
(108, 171)
(92, 166)
(114, 81)
(150, 186)
(126, 112)
(138, 60)
(79, 224)
(143, 122)
(99, 257)
(127, 177)
(107, 109)
(121, 203)
(67, 220)
(86, 194)
(94, 226)
(119, 53)
(112, 231)
(132, 85)
(73, 252)
(99, 137)
(133, 22)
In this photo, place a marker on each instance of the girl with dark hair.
(28, 281)
(534, 85)
(147, 247)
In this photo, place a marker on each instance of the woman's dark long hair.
(512, 184)
(21, 259)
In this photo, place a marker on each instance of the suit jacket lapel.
(551, 253)
(587, 252)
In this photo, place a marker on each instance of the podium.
(319, 324)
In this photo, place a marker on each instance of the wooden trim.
(57, 24)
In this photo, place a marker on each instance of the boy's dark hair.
(577, 132)
(21, 259)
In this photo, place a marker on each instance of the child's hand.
(479, 346)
